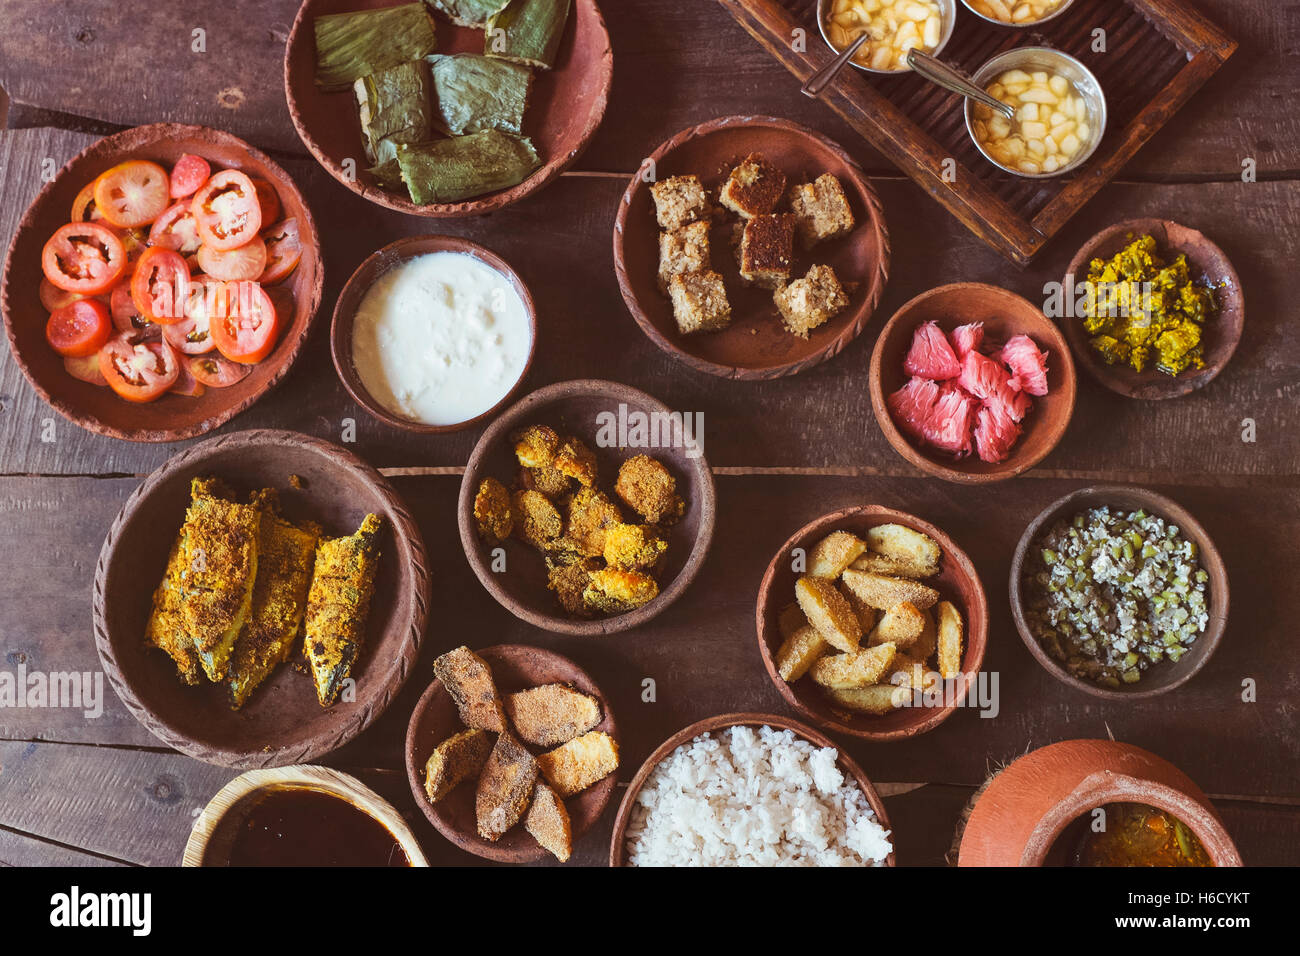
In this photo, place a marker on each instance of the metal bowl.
(1020, 26)
(1029, 58)
(948, 15)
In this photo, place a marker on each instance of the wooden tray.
(1160, 52)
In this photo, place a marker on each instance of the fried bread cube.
(574, 766)
(877, 699)
(590, 515)
(493, 513)
(455, 760)
(575, 460)
(536, 445)
(827, 611)
(882, 591)
(700, 302)
(633, 547)
(798, 652)
(753, 188)
(505, 787)
(613, 591)
(949, 626)
(649, 488)
(569, 581)
(901, 625)
(767, 250)
(551, 714)
(855, 669)
(915, 550)
(679, 200)
(548, 822)
(810, 302)
(821, 210)
(535, 519)
(833, 553)
(468, 679)
(343, 580)
(683, 250)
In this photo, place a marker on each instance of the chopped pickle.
(1138, 835)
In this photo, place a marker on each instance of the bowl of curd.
(433, 333)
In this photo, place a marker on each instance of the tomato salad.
(156, 283)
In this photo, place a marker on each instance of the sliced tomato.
(126, 315)
(248, 330)
(138, 370)
(84, 257)
(160, 285)
(176, 230)
(186, 384)
(53, 298)
(79, 328)
(268, 200)
(189, 173)
(226, 210)
(234, 265)
(133, 194)
(283, 250)
(217, 372)
(135, 242)
(86, 368)
(83, 207)
(192, 335)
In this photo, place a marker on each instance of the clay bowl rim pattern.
(517, 845)
(1128, 497)
(1057, 406)
(974, 611)
(253, 783)
(78, 401)
(639, 288)
(404, 561)
(301, 45)
(1222, 332)
(375, 266)
(700, 493)
(1111, 771)
(713, 725)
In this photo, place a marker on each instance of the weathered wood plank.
(17, 849)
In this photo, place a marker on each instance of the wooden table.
(104, 791)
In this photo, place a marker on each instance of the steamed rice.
(752, 797)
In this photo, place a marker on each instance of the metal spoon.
(941, 74)
(823, 77)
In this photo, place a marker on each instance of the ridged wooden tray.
(1158, 53)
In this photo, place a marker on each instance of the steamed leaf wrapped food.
(395, 108)
(527, 32)
(352, 45)
(468, 13)
(450, 170)
(473, 93)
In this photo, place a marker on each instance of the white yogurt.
(441, 338)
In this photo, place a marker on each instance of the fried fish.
(338, 603)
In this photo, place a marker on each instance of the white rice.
(753, 798)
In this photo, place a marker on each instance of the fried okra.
(633, 547)
(569, 582)
(613, 591)
(492, 511)
(536, 445)
(575, 460)
(650, 490)
(590, 514)
(536, 520)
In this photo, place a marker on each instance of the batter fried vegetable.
(468, 679)
(492, 511)
(613, 591)
(338, 604)
(454, 760)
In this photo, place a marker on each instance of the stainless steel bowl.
(1019, 26)
(948, 16)
(1030, 58)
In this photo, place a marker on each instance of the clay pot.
(1031, 813)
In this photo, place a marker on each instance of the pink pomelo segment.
(930, 355)
(967, 338)
(995, 433)
(912, 404)
(1028, 364)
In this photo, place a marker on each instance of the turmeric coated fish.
(337, 604)
(166, 629)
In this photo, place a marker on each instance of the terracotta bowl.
(957, 582)
(1034, 812)
(172, 417)
(1207, 262)
(847, 765)
(214, 832)
(282, 723)
(1004, 314)
(515, 667)
(394, 254)
(575, 406)
(756, 345)
(1167, 675)
(564, 110)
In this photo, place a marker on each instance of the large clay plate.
(564, 110)
(282, 723)
(848, 766)
(755, 345)
(172, 417)
(515, 667)
(1205, 261)
(574, 406)
(1004, 314)
(957, 581)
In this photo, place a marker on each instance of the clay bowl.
(172, 417)
(574, 406)
(214, 831)
(391, 255)
(1205, 261)
(1167, 675)
(282, 723)
(1034, 812)
(847, 765)
(515, 667)
(957, 581)
(565, 106)
(756, 346)
(1004, 314)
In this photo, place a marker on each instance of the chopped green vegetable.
(527, 32)
(352, 45)
(468, 13)
(462, 167)
(473, 93)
